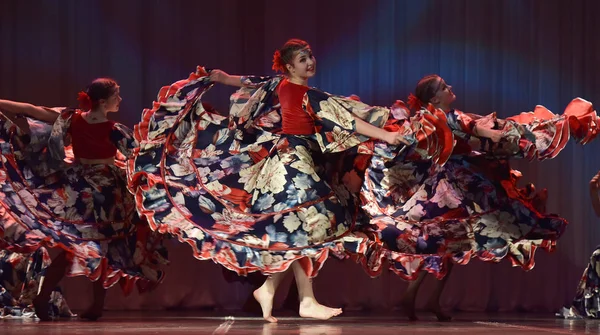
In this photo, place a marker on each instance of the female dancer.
(75, 202)
(255, 193)
(425, 218)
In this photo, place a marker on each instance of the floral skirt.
(85, 210)
(470, 207)
(423, 216)
(240, 192)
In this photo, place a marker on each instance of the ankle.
(265, 289)
(307, 302)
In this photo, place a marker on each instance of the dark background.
(505, 56)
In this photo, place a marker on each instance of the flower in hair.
(414, 103)
(278, 64)
(85, 102)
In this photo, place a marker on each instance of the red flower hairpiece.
(414, 103)
(278, 64)
(85, 102)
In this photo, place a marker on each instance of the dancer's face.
(113, 102)
(444, 95)
(304, 64)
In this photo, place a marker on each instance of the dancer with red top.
(76, 202)
(425, 218)
(252, 192)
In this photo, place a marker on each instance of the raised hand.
(218, 76)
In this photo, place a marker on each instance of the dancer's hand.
(492, 134)
(395, 138)
(218, 76)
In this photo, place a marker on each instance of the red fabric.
(294, 119)
(91, 140)
(85, 102)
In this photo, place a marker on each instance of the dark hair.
(101, 88)
(427, 87)
(285, 55)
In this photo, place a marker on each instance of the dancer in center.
(256, 191)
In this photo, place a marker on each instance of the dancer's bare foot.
(265, 299)
(42, 308)
(312, 309)
(408, 307)
(436, 309)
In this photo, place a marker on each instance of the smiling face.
(303, 65)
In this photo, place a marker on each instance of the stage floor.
(361, 324)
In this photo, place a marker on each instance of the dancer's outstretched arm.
(26, 109)
(362, 127)
(367, 129)
(223, 77)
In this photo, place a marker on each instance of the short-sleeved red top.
(294, 119)
(91, 140)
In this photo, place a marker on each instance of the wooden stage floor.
(360, 324)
